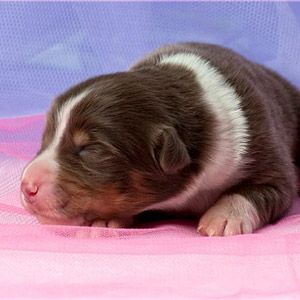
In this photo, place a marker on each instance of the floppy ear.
(170, 152)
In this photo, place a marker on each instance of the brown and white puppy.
(192, 130)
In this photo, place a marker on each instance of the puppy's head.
(110, 149)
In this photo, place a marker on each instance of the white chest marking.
(232, 133)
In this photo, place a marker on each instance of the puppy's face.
(107, 152)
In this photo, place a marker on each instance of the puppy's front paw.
(113, 223)
(231, 215)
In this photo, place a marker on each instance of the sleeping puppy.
(193, 130)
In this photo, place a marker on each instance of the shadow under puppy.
(192, 130)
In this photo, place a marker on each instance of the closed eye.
(81, 149)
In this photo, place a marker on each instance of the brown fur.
(272, 108)
(130, 141)
(140, 136)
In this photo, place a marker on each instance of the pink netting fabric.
(166, 260)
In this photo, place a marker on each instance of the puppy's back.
(271, 103)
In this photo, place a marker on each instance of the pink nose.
(37, 185)
(29, 190)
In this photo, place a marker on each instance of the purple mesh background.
(47, 47)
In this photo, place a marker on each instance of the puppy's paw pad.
(231, 215)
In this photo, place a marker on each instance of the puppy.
(193, 130)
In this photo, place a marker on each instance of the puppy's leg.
(232, 214)
(246, 208)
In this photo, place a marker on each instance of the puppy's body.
(192, 129)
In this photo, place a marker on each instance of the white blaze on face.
(41, 171)
(231, 133)
(63, 116)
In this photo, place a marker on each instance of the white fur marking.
(63, 116)
(232, 131)
(231, 215)
(219, 95)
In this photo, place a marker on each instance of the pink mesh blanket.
(166, 260)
